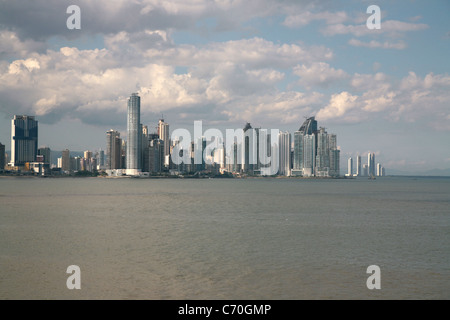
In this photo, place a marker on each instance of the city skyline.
(267, 63)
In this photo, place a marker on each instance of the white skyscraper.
(284, 142)
(350, 167)
(309, 155)
(134, 131)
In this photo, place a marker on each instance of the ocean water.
(265, 238)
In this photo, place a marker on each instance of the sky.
(268, 62)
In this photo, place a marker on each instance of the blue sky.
(267, 62)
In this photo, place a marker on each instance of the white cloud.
(306, 17)
(340, 104)
(390, 27)
(399, 45)
(319, 73)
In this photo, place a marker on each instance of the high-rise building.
(134, 135)
(65, 162)
(358, 166)
(284, 142)
(2, 157)
(379, 170)
(297, 166)
(101, 159)
(113, 150)
(309, 126)
(163, 133)
(46, 152)
(371, 164)
(323, 154)
(349, 167)
(315, 152)
(334, 155)
(24, 140)
(309, 156)
(155, 155)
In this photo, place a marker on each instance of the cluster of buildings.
(366, 170)
(310, 152)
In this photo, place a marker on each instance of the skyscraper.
(334, 155)
(2, 157)
(349, 167)
(309, 156)
(284, 142)
(358, 166)
(101, 159)
(163, 133)
(134, 134)
(65, 162)
(297, 166)
(113, 150)
(315, 152)
(24, 140)
(379, 170)
(323, 154)
(371, 164)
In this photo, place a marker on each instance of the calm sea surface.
(224, 238)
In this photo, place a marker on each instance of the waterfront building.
(284, 142)
(24, 140)
(134, 135)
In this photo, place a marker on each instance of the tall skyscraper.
(334, 155)
(24, 140)
(284, 142)
(358, 166)
(297, 166)
(65, 162)
(371, 164)
(309, 156)
(379, 170)
(323, 154)
(2, 157)
(349, 167)
(113, 150)
(315, 152)
(101, 158)
(134, 134)
(163, 133)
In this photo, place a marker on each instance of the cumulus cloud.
(306, 17)
(88, 84)
(399, 45)
(390, 27)
(319, 73)
(340, 104)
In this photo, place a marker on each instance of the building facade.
(284, 143)
(24, 140)
(134, 149)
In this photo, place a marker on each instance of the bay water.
(255, 238)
